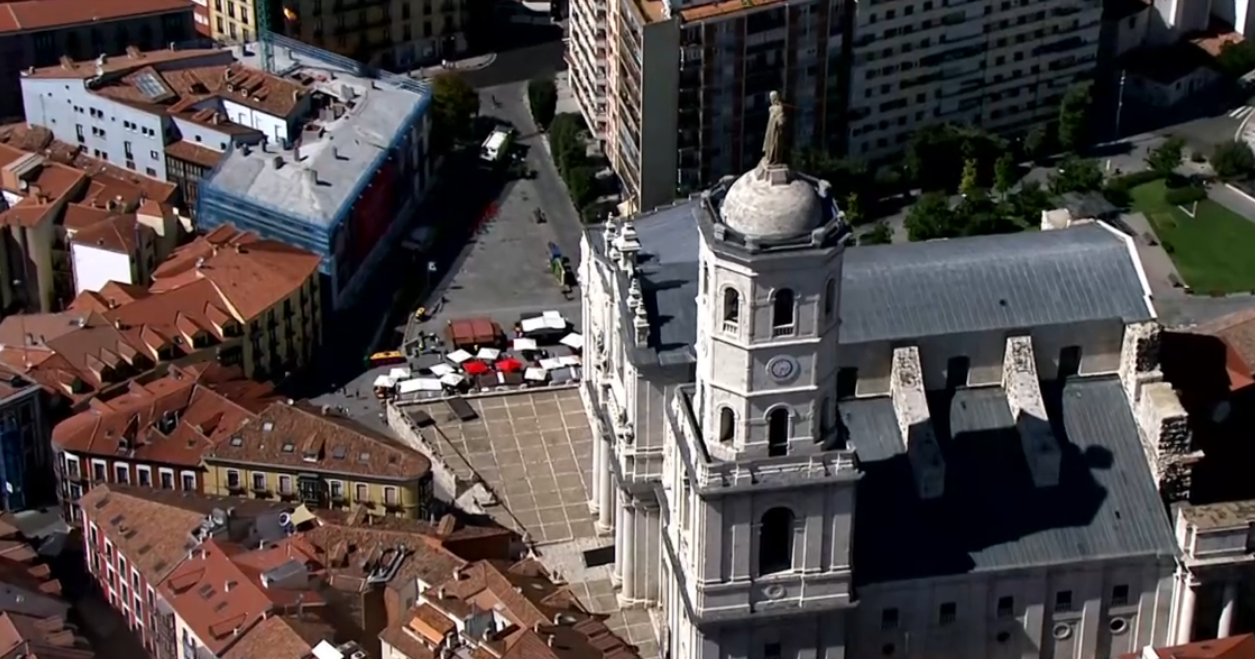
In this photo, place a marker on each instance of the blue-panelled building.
(26, 475)
(348, 182)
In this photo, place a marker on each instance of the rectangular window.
(362, 493)
(122, 565)
(145, 476)
(98, 471)
(259, 482)
(121, 474)
(1006, 607)
(167, 479)
(337, 489)
(1120, 595)
(233, 479)
(189, 481)
(948, 613)
(390, 496)
(285, 485)
(135, 585)
(1063, 601)
(889, 619)
(130, 153)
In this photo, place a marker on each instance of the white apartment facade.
(860, 78)
(912, 450)
(1003, 65)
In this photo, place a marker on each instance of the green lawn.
(1214, 252)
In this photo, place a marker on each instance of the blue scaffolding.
(215, 207)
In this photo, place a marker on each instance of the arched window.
(778, 432)
(731, 308)
(775, 541)
(782, 313)
(830, 298)
(727, 424)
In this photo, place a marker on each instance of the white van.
(497, 145)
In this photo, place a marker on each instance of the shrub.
(542, 97)
(1184, 196)
(1130, 181)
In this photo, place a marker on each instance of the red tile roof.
(172, 420)
(253, 273)
(34, 15)
(1234, 647)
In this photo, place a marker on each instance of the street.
(501, 271)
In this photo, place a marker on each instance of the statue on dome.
(773, 143)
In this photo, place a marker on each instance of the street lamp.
(1120, 100)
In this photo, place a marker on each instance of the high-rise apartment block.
(676, 89)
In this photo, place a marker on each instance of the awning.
(419, 384)
(399, 374)
(536, 374)
(573, 340)
(440, 370)
(525, 344)
(509, 365)
(384, 382)
(452, 379)
(550, 364)
(475, 368)
(569, 360)
(487, 354)
(542, 323)
(459, 356)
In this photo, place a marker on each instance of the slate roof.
(904, 291)
(986, 283)
(991, 517)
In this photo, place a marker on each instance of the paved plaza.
(534, 451)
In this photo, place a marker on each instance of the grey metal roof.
(339, 156)
(985, 283)
(991, 517)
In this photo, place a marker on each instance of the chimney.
(1139, 359)
(457, 574)
(1023, 391)
(906, 389)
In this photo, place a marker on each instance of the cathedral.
(807, 450)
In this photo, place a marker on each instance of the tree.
(854, 210)
(1236, 59)
(1077, 175)
(880, 234)
(846, 175)
(937, 155)
(542, 97)
(1165, 158)
(1004, 173)
(581, 182)
(931, 217)
(1233, 160)
(566, 143)
(1027, 203)
(1074, 118)
(1035, 142)
(969, 184)
(454, 103)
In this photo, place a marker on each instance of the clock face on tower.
(782, 369)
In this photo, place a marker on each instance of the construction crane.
(262, 15)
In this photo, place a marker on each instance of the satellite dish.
(285, 519)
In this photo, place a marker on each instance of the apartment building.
(678, 92)
(331, 192)
(167, 114)
(35, 33)
(293, 452)
(154, 434)
(66, 216)
(1003, 65)
(255, 302)
(199, 575)
(25, 457)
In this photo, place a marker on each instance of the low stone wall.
(443, 476)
